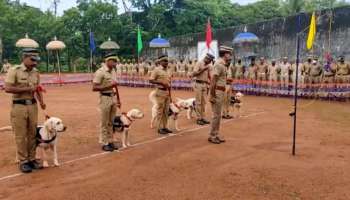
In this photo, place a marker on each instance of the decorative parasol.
(55, 46)
(109, 45)
(26, 42)
(245, 37)
(159, 42)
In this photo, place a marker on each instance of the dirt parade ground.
(254, 163)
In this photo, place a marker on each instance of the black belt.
(107, 94)
(24, 101)
(202, 82)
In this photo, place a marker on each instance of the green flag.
(139, 41)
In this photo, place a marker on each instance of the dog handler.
(23, 82)
(201, 76)
(104, 84)
(160, 77)
(217, 91)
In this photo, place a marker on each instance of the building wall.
(277, 37)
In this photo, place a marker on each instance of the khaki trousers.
(201, 91)
(227, 100)
(108, 111)
(217, 111)
(24, 119)
(163, 102)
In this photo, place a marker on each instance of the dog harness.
(118, 124)
(234, 100)
(40, 140)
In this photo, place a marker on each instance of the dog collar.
(127, 117)
(177, 106)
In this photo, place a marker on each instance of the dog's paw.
(56, 164)
(46, 164)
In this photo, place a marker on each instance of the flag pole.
(294, 113)
(138, 52)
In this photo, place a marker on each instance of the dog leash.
(40, 90)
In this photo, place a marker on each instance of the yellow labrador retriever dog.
(174, 109)
(123, 123)
(46, 136)
(237, 103)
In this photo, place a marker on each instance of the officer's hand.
(205, 68)
(119, 105)
(114, 84)
(166, 85)
(212, 99)
(32, 89)
(43, 106)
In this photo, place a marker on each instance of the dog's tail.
(152, 97)
(6, 128)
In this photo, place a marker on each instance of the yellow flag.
(312, 32)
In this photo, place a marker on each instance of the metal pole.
(59, 68)
(294, 114)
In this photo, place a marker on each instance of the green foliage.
(168, 17)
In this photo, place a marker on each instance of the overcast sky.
(66, 4)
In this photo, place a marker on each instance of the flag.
(92, 42)
(312, 32)
(139, 41)
(209, 36)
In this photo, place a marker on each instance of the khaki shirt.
(19, 76)
(285, 67)
(104, 78)
(239, 69)
(343, 69)
(172, 68)
(316, 70)
(306, 68)
(182, 67)
(262, 68)
(252, 70)
(6, 67)
(204, 76)
(231, 71)
(161, 75)
(273, 70)
(190, 67)
(220, 71)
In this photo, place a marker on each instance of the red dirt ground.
(254, 163)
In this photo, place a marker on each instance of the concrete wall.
(277, 37)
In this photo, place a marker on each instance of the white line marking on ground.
(138, 144)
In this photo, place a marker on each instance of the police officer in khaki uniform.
(305, 70)
(105, 84)
(6, 66)
(239, 68)
(329, 72)
(23, 82)
(273, 76)
(285, 67)
(252, 70)
(343, 71)
(217, 91)
(160, 77)
(228, 91)
(172, 68)
(315, 72)
(262, 69)
(201, 75)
